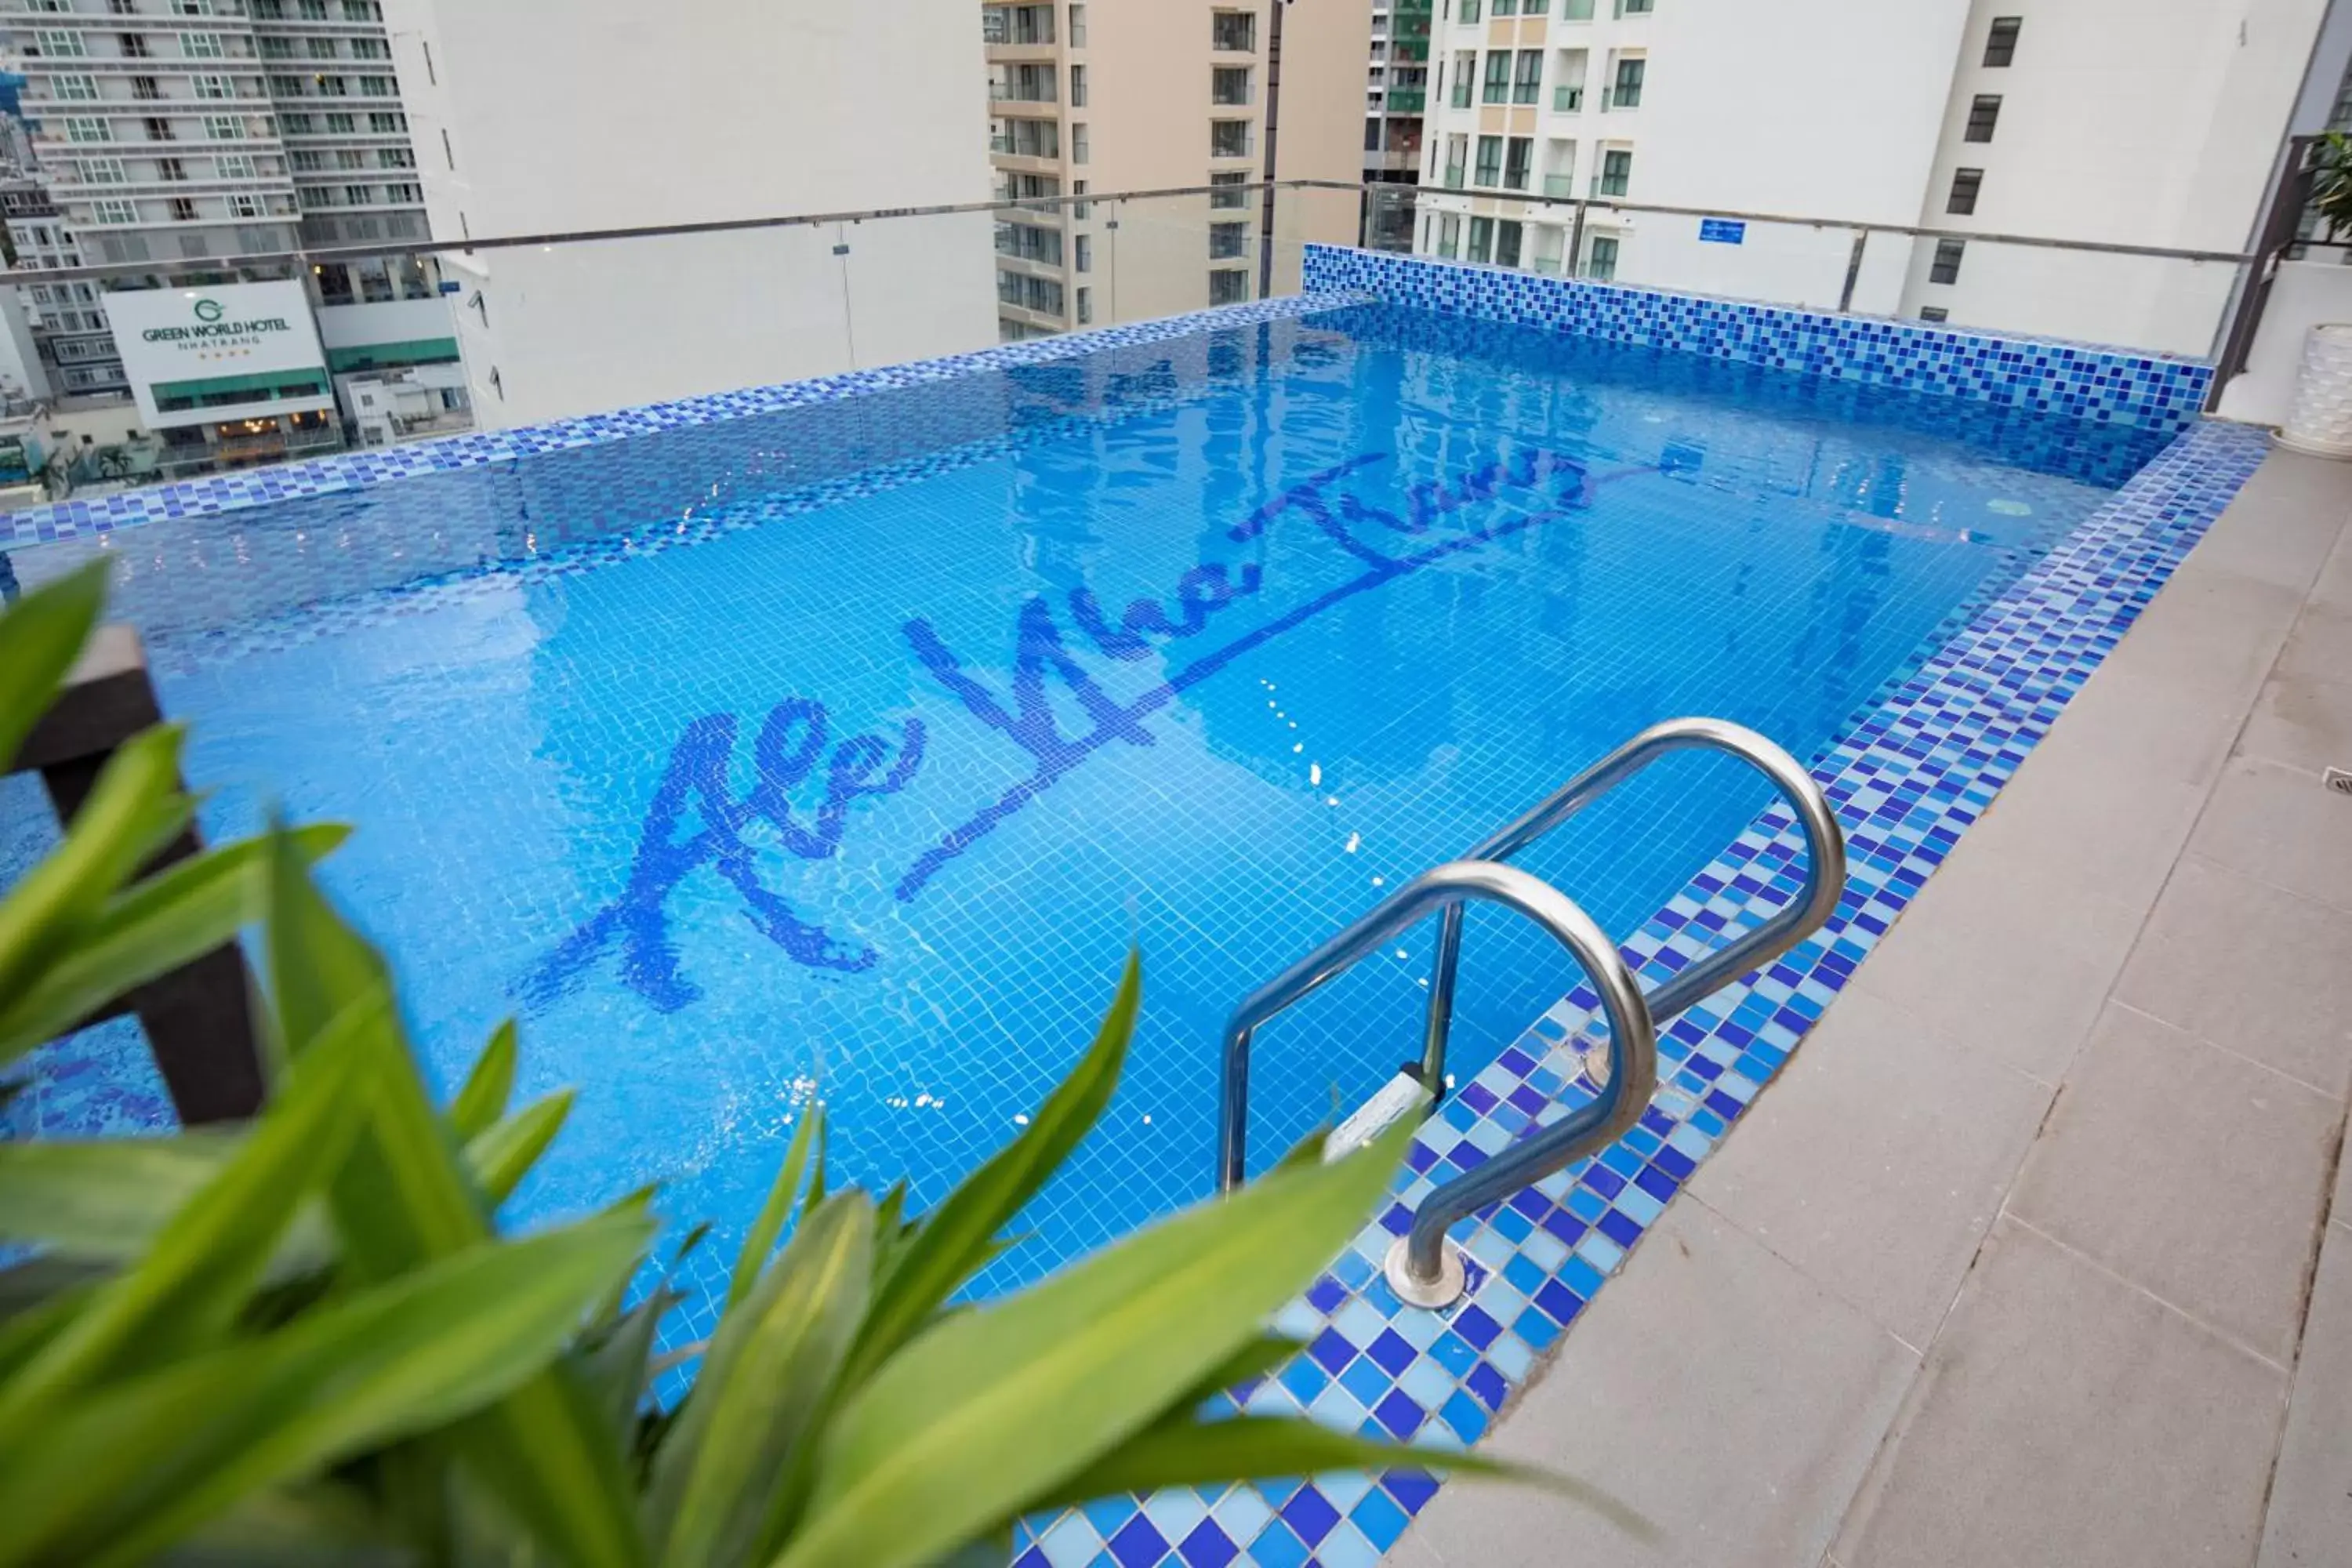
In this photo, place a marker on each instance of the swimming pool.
(844, 750)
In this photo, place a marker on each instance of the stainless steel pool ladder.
(1424, 1267)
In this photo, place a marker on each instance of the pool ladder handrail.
(1424, 1267)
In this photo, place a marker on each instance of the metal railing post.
(1853, 269)
(1576, 241)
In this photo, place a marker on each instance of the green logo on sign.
(208, 311)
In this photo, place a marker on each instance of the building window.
(146, 87)
(1489, 172)
(379, 87)
(1946, 266)
(397, 157)
(237, 167)
(1633, 8)
(1983, 114)
(1465, 69)
(403, 192)
(182, 210)
(1229, 286)
(75, 88)
(1235, 32)
(362, 11)
(1229, 138)
(245, 206)
(1526, 84)
(1627, 94)
(385, 122)
(99, 170)
(170, 169)
(1085, 307)
(1934, 313)
(79, 130)
(1078, 87)
(1077, 26)
(1964, 186)
(370, 49)
(1229, 84)
(1469, 11)
(1078, 143)
(1084, 245)
(213, 87)
(311, 10)
(203, 45)
(224, 128)
(1511, 8)
(1449, 236)
(1236, 198)
(118, 211)
(1518, 158)
(1600, 260)
(1616, 173)
(1498, 76)
(1482, 239)
(2001, 44)
(319, 48)
(1228, 240)
(58, 43)
(285, 87)
(1507, 242)
(359, 195)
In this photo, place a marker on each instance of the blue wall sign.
(1722, 231)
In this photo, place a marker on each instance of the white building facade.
(2148, 122)
(523, 112)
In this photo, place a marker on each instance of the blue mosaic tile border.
(355, 470)
(2080, 381)
(1908, 781)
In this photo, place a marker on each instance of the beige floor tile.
(2065, 1420)
(2282, 525)
(2194, 1173)
(1712, 1386)
(2004, 954)
(2249, 966)
(2302, 721)
(1878, 1160)
(2212, 631)
(2280, 825)
(2310, 1520)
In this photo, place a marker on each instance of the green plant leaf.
(761, 1240)
(953, 1241)
(488, 1087)
(186, 1292)
(1255, 1360)
(1264, 1448)
(134, 810)
(104, 1199)
(764, 1380)
(41, 634)
(316, 1527)
(504, 1153)
(993, 1408)
(180, 913)
(618, 1368)
(404, 1199)
(118, 1474)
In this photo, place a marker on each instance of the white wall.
(2124, 121)
(385, 321)
(566, 115)
(1813, 107)
(2306, 294)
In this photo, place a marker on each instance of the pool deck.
(2040, 1250)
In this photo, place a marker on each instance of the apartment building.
(1114, 96)
(191, 133)
(523, 111)
(2148, 122)
(1396, 97)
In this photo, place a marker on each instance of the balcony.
(1407, 99)
(1413, 49)
(1019, 92)
(1568, 100)
(1560, 185)
(1454, 176)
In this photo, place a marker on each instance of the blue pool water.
(844, 751)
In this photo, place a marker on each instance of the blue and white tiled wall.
(2077, 381)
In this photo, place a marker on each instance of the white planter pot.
(2320, 423)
